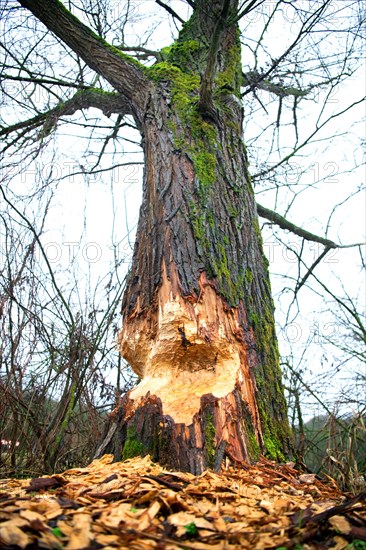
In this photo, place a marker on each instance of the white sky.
(110, 208)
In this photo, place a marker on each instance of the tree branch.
(170, 10)
(12, 283)
(52, 81)
(283, 223)
(305, 29)
(310, 270)
(318, 127)
(107, 102)
(255, 80)
(250, 6)
(141, 53)
(124, 73)
(205, 105)
(44, 255)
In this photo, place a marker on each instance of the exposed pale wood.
(185, 349)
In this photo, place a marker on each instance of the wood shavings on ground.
(139, 505)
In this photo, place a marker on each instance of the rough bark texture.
(198, 323)
(198, 317)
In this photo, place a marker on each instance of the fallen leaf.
(30, 515)
(181, 519)
(137, 505)
(281, 504)
(340, 543)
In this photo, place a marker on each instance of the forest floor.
(138, 505)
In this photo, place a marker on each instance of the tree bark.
(198, 324)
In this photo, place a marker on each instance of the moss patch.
(132, 447)
(253, 445)
(233, 290)
(230, 79)
(200, 147)
(197, 137)
(182, 53)
(210, 433)
(270, 397)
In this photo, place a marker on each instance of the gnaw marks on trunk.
(198, 323)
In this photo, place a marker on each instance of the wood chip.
(138, 505)
(340, 524)
(12, 534)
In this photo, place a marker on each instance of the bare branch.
(306, 141)
(311, 269)
(124, 73)
(44, 254)
(251, 5)
(53, 82)
(142, 53)
(283, 223)
(306, 28)
(254, 79)
(5, 297)
(107, 102)
(170, 10)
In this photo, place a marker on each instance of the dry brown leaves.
(138, 505)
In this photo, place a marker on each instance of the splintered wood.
(138, 505)
(195, 343)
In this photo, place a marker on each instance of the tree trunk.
(198, 325)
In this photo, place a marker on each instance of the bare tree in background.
(56, 350)
(197, 311)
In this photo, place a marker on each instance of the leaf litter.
(139, 505)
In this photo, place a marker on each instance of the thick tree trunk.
(198, 322)
(198, 325)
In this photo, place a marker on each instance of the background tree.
(55, 351)
(191, 215)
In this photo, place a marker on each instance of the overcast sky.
(91, 219)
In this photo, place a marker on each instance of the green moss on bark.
(253, 446)
(233, 289)
(161, 445)
(132, 447)
(200, 147)
(210, 447)
(270, 396)
(230, 79)
(182, 53)
(182, 69)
